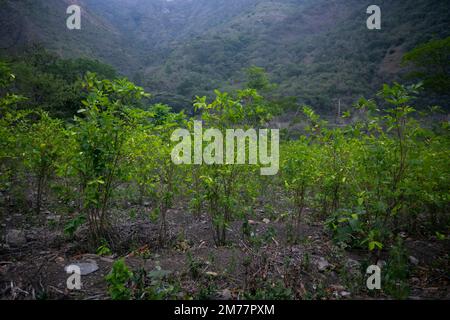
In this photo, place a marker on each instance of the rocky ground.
(33, 261)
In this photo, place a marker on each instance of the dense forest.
(88, 177)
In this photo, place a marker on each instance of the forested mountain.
(318, 51)
(224, 150)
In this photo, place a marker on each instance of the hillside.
(225, 150)
(318, 51)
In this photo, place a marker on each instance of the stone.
(212, 274)
(16, 238)
(381, 263)
(226, 294)
(54, 218)
(266, 221)
(106, 259)
(85, 267)
(337, 287)
(353, 266)
(322, 264)
(345, 294)
(413, 260)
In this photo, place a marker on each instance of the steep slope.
(316, 50)
(29, 22)
(319, 51)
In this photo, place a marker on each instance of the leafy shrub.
(118, 279)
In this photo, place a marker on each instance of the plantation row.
(381, 174)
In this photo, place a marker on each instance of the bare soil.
(35, 270)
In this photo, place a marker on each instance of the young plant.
(228, 188)
(101, 131)
(118, 279)
(43, 148)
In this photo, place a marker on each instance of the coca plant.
(101, 131)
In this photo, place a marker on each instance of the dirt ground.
(316, 268)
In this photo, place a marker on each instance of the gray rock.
(345, 294)
(413, 260)
(353, 266)
(381, 263)
(226, 294)
(16, 238)
(54, 218)
(106, 259)
(85, 267)
(322, 264)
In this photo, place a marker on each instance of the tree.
(54, 84)
(229, 192)
(431, 64)
(12, 124)
(43, 144)
(257, 79)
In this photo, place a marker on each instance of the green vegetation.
(316, 52)
(51, 83)
(118, 279)
(380, 173)
(431, 61)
